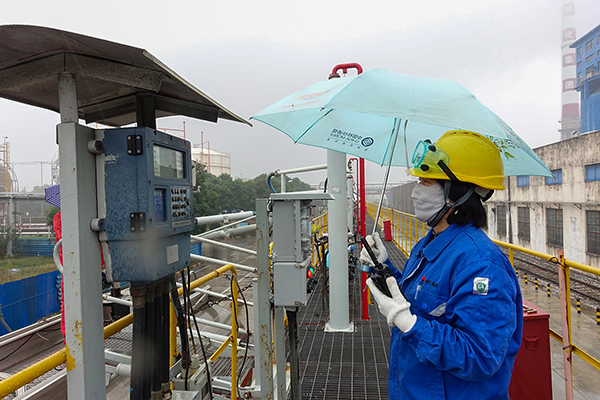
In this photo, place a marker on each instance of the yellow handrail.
(405, 227)
(322, 225)
(36, 370)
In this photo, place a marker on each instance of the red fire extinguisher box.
(532, 374)
(387, 230)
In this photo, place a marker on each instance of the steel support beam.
(262, 302)
(339, 316)
(81, 252)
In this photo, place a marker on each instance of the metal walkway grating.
(335, 365)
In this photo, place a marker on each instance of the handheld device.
(380, 272)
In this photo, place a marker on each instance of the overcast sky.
(249, 54)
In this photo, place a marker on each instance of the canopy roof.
(110, 76)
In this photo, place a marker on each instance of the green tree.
(214, 195)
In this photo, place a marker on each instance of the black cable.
(185, 352)
(208, 378)
(15, 350)
(30, 336)
(188, 307)
(187, 325)
(247, 324)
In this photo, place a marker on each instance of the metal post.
(11, 225)
(294, 360)
(565, 314)
(280, 353)
(262, 302)
(283, 183)
(339, 315)
(81, 251)
(363, 232)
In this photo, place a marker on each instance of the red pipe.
(363, 233)
(357, 213)
(344, 68)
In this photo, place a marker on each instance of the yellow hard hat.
(467, 155)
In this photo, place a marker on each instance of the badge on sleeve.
(481, 285)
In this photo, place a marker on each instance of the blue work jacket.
(468, 304)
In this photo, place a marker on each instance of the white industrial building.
(547, 214)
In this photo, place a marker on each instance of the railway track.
(585, 287)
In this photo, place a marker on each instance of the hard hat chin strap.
(447, 185)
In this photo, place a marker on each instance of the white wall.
(573, 196)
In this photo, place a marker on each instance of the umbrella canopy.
(381, 115)
(53, 195)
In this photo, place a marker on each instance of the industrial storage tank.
(217, 163)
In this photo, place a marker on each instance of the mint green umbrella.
(381, 115)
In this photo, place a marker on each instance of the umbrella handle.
(344, 68)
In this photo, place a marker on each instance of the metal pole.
(11, 224)
(81, 250)
(363, 232)
(565, 314)
(225, 245)
(280, 353)
(283, 183)
(262, 302)
(389, 167)
(294, 359)
(339, 316)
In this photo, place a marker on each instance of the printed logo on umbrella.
(367, 141)
(352, 139)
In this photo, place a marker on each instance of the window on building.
(598, 39)
(592, 172)
(598, 53)
(578, 77)
(523, 222)
(579, 64)
(589, 71)
(554, 226)
(593, 231)
(579, 52)
(522, 181)
(501, 219)
(589, 58)
(589, 45)
(554, 181)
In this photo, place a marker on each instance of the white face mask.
(428, 201)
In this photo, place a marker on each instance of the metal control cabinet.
(292, 245)
(145, 203)
(532, 373)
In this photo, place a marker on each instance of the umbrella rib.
(313, 124)
(387, 148)
(389, 167)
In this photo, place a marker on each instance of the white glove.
(377, 247)
(396, 309)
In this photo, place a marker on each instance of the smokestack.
(570, 97)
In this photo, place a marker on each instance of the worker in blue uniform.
(456, 307)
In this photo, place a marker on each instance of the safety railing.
(320, 227)
(406, 230)
(38, 369)
(404, 227)
(564, 278)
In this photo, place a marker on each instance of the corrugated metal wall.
(26, 301)
(401, 200)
